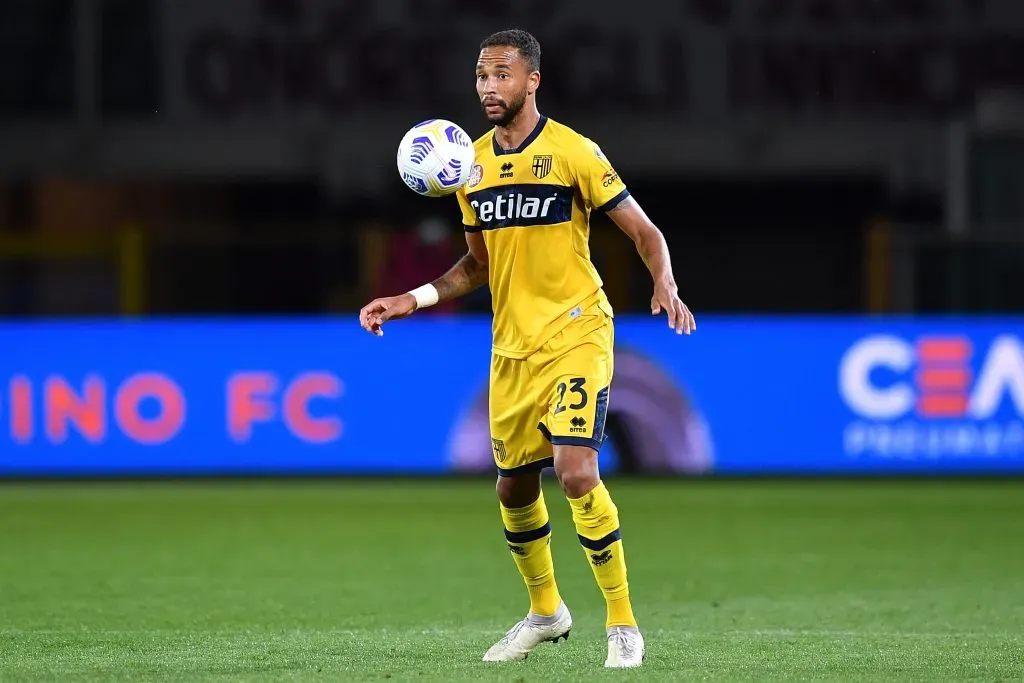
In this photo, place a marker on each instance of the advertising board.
(750, 396)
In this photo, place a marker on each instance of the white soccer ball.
(435, 158)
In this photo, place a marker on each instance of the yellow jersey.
(533, 206)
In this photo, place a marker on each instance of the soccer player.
(526, 210)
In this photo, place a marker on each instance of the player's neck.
(516, 132)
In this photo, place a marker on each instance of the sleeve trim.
(613, 202)
(471, 228)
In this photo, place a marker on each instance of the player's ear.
(533, 82)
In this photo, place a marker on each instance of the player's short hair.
(529, 48)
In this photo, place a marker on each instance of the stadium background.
(207, 192)
(197, 197)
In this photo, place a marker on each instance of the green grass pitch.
(403, 580)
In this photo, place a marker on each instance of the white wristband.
(425, 296)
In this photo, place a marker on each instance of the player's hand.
(666, 298)
(374, 314)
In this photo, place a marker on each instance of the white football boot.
(520, 640)
(625, 648)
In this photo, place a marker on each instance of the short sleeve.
(469, 218)
(601, 186)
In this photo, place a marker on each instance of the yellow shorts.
(557, 395)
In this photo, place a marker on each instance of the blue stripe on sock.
(601, 543)
(527, 536)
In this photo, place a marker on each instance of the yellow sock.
(597, 524)
(528, 533)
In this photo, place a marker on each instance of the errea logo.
(579, 425)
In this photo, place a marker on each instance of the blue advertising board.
(757, 395)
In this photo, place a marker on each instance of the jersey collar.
(498, 151)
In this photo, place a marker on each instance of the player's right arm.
(468, 273)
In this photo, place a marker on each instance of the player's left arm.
(604, 191)
(650, 244)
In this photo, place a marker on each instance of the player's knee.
(518, 492)
(576, 484)
(577, 472)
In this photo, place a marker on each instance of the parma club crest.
(475, 176)
(542, 165)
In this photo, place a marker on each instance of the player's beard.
(509, 112)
